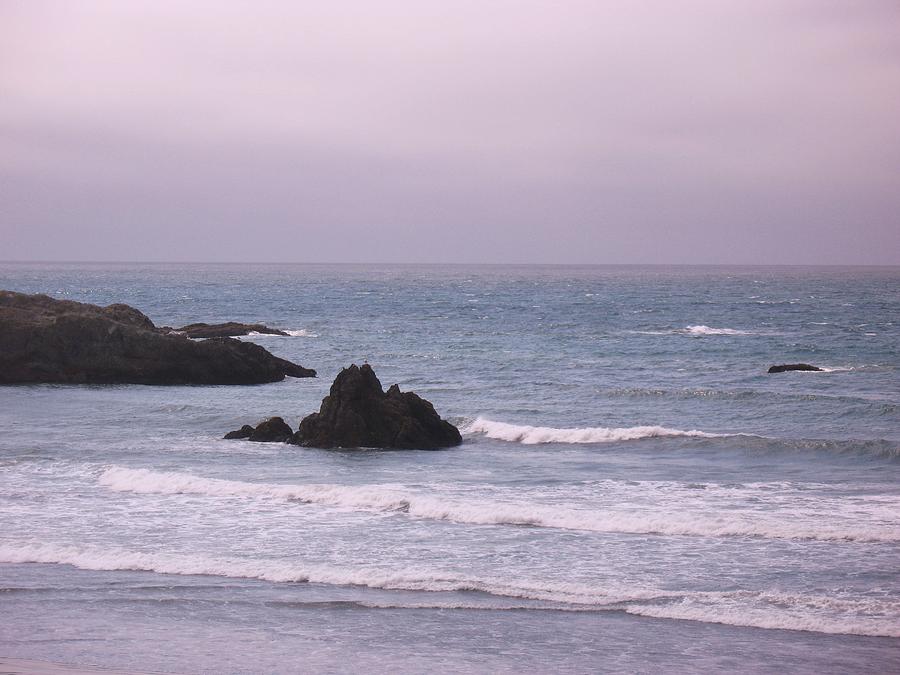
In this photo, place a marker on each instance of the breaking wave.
(706, 330)
(290, 333)
(459, 509)
(533, 435)
(747, 442)
(762, 609)
(695, 331)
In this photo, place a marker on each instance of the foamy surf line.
(707, 330)
(410, 503)
(761, 609)
(280, 571)
(529, 435)
(302, 332)
(695, 331)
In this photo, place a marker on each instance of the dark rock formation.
(792, 366)
(47, 340)
(230, 329)
(358, 413)
(244, 432)
(272, 430)
(127, 315)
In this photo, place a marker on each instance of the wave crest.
(530, 435)
(706, 330)
(762, 609)
(695, 331)
(480, 511)
(302, 332)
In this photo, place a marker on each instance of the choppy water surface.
(634, 491)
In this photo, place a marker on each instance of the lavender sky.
(696, 131)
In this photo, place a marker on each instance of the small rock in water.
(793, 366)
(229, 329)
(272, 430)
(244, 432)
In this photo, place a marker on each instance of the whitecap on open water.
(634, 491)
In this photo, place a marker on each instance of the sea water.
(633, 493)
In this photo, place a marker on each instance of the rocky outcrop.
(229, 329)
(793, 366)
(359, 413)
(47, 340)
(272, 430)
(245, 431)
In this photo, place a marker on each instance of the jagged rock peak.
(359, 413)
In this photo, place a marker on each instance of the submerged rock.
(47, 340)
(793, 366)
(358, 413)
(229, 329)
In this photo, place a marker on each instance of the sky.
(488, 131)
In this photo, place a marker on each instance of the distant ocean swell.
(762, 609)
(487, 512)
(880, 405)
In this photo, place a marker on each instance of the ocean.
(634, 493)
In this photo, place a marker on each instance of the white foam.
(706, 330)
(530, 435)
(697, 522)
(815, 613)
(284, 571)
(302, 332)
(694, 331)
(780, 611)
(145, 481)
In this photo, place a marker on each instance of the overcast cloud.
(764, 131)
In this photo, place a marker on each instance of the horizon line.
(420, 264)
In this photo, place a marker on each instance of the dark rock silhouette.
(127, 315)
(358, 413)
(272, 430)
(244, 432)
(229, 329)
(792, 366)
(47, 340)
